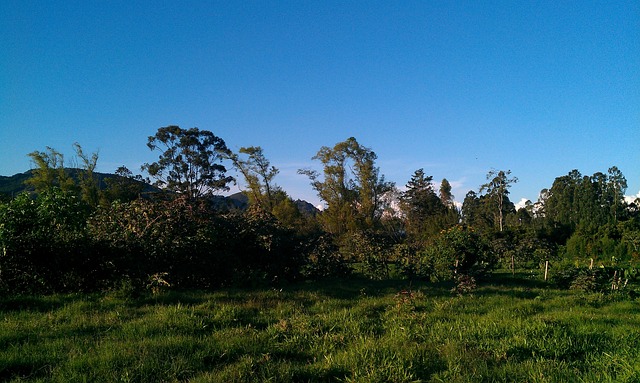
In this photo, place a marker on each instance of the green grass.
(339, 331)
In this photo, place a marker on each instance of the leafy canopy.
(190, 161)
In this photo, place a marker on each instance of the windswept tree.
(497, 189)
(190, 161)
(351, 186)
(258, 174)
(87, 180)
(49, 171)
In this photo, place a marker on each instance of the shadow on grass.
(347, 289)
(521, 279)
(36, 303)
(357, 287)
(23, 370)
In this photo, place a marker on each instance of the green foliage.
(192, 246)
(124, 187)
(185, 242)
(497, 191)
(44, 243)
(258, 175)
(87, 181)
(602, 243)
(49, 172)
(369, 250)
(521, 248)
(426, 214)
(456, 251)
(597, 279)
(323, 258)
(189, 162)
(478, 212)
(596, 200)
(407, 260)
(352, 187)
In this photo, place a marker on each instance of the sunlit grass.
(349, 331)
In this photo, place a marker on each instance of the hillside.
(15, 184)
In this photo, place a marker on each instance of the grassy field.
(338, 331)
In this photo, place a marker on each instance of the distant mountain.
(306, 207)
(15, 184)
(241, 201)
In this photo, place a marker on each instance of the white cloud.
(521, 203)
(631, 198)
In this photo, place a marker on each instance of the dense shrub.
(370, 250)
(193, 245)
(407, 260)
(323, 258)
(456, 251)
(44, 245)
(596, 279)
(54, 242)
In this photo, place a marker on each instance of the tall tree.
(351, 186)
(497, 189)
(422, 206)
(616, 188)
(190, 161)
(89, 185)
(258, 174)
(445, 193)
(476, 211)
(593, 201)
(559, 205)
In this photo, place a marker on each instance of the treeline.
(72, 233)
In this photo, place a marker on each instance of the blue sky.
(454, 87)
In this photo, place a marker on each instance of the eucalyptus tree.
(595, 200)
(190, 161)
(350, 185)
(616, 187)
(258, 174)
(497, 189)
(559, 205)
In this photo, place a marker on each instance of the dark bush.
(322, 258)
(456, 251)
(44, 245)
(585, 279)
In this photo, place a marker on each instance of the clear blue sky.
(454, 87)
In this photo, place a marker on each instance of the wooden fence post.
(546, 270)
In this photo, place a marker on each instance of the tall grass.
(342, 331)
